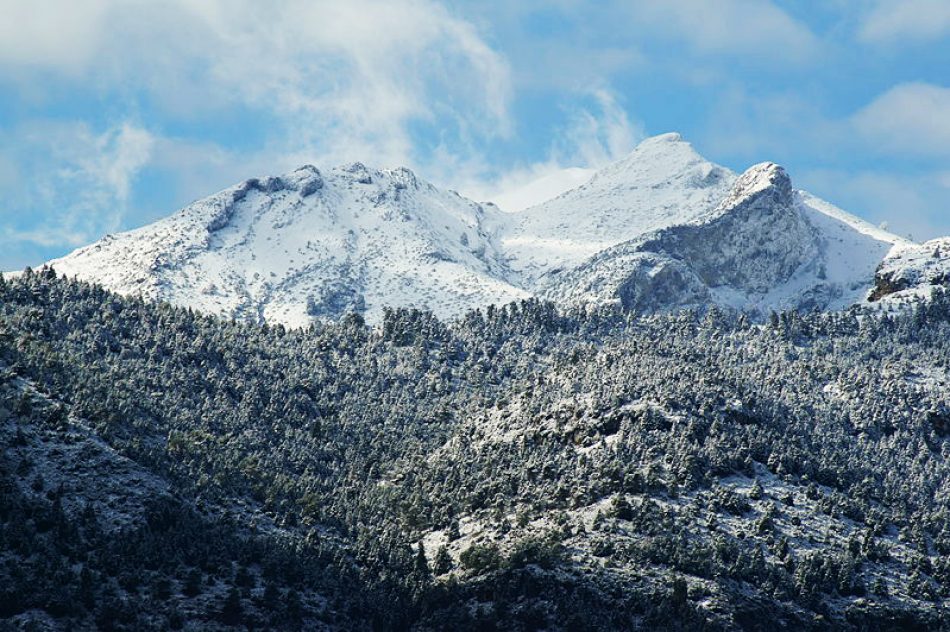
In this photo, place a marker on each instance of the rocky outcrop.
(756, 242)
(912, 271)
(660, 229)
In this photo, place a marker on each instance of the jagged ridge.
(659, 229)
(308, 244)
(758, 250)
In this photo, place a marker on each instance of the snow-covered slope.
(661, 228)
(912, 272)
(663, 182)
(764, 247)
(310, 244)
(542, 189)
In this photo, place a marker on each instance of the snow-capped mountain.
(663, 182)
(661, 228)
(310, 244)
(765, 246)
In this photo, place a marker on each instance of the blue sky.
(114, 113)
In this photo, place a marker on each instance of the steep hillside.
(91, 539)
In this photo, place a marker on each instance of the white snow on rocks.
(660, 228)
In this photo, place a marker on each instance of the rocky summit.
(661, 228)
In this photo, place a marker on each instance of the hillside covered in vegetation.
(522, 468)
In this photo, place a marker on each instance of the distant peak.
(762, 175)
(307, 168)
(765, 177)
(659, 160)
(662, 143)
(306, 179)
(669, 137)
(405, 171)
(671, 143)
(769, 168)
(403, 177)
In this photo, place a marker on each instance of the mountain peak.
(306, 168)
(663, 143)
(669, 137)
(358, 172)
(663, 182)
(662, 161)
(306, 245)
(766, 180)
(316, 244)
(306, 179)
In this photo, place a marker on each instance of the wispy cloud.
(318, 81)
(910, 118)
(59, 35)
(741, 27)
(595, 134)
(341, 79)
(79, 181)
(893, 22)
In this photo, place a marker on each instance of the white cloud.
(317, 81)
(892, 21)
(546, 186)
(79, 181)
(58, 34)
(743, 27)
(910, 118)
(340, 80)
(593, 137)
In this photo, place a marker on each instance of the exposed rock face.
(756, 242)
(656, 282)
(885, 285)
(913, 272)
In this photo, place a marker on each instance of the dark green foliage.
(545, 552)
(301, 467)
(443, 561)
(421, 566)
(480, 558)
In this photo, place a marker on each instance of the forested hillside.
(522, 468)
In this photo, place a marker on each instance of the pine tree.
(421, 564)
(231, 609)
(443, 561)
